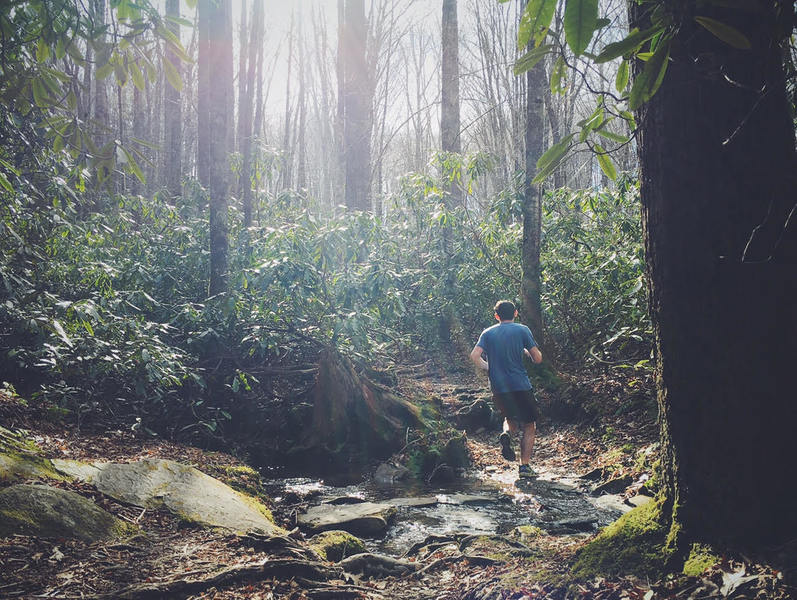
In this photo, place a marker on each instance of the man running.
(505, 344)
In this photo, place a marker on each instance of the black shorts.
(517, 406)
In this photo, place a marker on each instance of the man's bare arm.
(534, 354)
(478, 360)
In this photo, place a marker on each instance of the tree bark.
(246, 129)
(717, 181)
(531, 282)
(215, 53)
(449, 78)
(173, 113)
(356, 107)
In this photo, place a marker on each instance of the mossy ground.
(635, 544)
(701, 557)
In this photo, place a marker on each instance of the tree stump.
(354, 419)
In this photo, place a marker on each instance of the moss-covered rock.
(336, 545)
(188, 493)
(21, 459)
(50, 512)
(635, 544)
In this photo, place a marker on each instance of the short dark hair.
(505, 310)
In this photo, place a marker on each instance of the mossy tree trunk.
(354, 419)
(718, 179)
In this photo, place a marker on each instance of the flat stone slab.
(366, 519)
(48, 512)
(20, 459)
(183, 490)
(466, 499)
(417, 502)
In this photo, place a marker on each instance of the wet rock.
(49, 512)
(377, 565)
(388, 473)
(596, 474)
(467, 499)
(185, 491)
(611, 503)
(335, 545)
(613, 486)
(345, 500)
(477, 415)
(442, 474)
(366, 519)
(638, 500)
(416, 502)
(582, 524)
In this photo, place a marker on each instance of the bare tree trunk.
(246, 131)
(340, 177)
(357, 108)
(215, 56)
(173, 113)
(287, 157)
(449, 109)
(301, 171)
(532, 206)
(242, 82)
(100, 89)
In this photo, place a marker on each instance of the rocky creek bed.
(484, 537)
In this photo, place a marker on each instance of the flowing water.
(489, 503)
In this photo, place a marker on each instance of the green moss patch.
(21, 459)
(635, 544)
(701, 557)
(336, 545)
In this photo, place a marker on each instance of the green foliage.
(44, 42)
(594, 284)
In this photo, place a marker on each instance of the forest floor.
(610, 443)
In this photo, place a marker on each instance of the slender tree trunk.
(246, 131)
(215, 56)
(243, 53)
(531, 283)
(357, 108)
(301, 171)
(287, 157)
(173, 113)
(717, 181)
(100, 89)
(340, 171)
(449, 109)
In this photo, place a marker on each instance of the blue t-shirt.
(504, 344)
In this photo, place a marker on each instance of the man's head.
(505, 310)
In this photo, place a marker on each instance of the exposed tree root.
(309, 571)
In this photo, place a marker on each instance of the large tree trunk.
(215, 54)
(718, 179)
(531, 286)
(173, 113)
(449, 78)
(357, 108)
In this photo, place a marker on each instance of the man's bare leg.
(509, 428)
(527, 442)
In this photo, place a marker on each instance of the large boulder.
(49, 512)
(366, 519)
(183, 490)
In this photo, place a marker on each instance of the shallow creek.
(492, 502)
